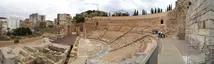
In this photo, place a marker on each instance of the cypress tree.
(137, 13)
(160, 10)
(142, 12)
(167, 9)
(152, 11)
(134, 13)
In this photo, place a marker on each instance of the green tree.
(22, 31)
(51, 26)
(136, 13)
(125, 14)
(161, 10)
(144, 12)
(171, 7)
(9, 33)
(89, 11)
(152, 11)
(79, 18)
(167, 9)
(158, 10)
(105, 14)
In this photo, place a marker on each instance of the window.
(161, 21)
(97, 23)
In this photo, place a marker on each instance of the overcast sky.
(50, 8)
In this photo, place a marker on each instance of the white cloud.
(50, 8)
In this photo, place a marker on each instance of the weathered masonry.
(200, 22)
(200, 26)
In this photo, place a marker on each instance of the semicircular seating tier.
(122, 42)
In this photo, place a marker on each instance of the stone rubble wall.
(200, 23)
(176, 20)
(52, 54)
(22, 41)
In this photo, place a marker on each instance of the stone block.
(31, 49)
(24, 53)
(199, 3)
(204, 32)
(209, 40)
(201, 25)
(201, 39)
(211, 32)
(209, 24)
(202, 10)
(194, 28)
(207, 16)
(211, 1)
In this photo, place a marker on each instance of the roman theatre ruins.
(119, 40)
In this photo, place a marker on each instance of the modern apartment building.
(3, 25)
(35, 18)
(64, 21)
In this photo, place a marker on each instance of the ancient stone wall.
(27, 40)
(200, 22)
(176, 20)
(114, 23)
(89, 25)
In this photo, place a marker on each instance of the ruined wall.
(176, 20)
(27, 40)
(89, 25)
(114, 23)
(200, 22)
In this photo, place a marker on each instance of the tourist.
(161, 35)
(155, 31)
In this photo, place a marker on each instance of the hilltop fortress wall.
(156, 21)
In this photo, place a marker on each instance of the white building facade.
(13, 22)
(35, 18)
(3, 25)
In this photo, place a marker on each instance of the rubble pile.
(49, 53)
